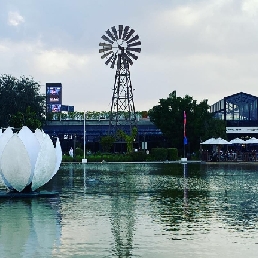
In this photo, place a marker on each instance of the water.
(137, 210)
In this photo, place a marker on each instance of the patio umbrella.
(238, 141)
(220, 141)
(217, 141)
(252, 140)
(209, 141)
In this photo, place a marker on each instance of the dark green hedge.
(138, 156)
(172, 154)
(156, 154)
(159, 154)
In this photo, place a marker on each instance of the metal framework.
(122, 108)
(119, 49)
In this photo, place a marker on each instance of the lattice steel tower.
(117, 50)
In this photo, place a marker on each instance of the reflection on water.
(137, 210)
(29, 228)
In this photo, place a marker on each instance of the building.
(71, 134)
(70, 130)
(240, 111)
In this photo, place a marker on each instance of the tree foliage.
(129, 139)
(168, 116)
(107, 142)
(20, 102)
(29, 118)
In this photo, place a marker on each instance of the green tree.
(29, 118)
(21, 102)
(168, 116)
(129, 139)
(107, 142)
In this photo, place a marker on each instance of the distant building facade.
(68, 126)
(240, 111)
(71, 134)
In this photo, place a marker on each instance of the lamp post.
(74, 144)
(144, 142)
(84, 160)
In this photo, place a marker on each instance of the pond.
(137, 210)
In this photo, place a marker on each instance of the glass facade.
(239, 109)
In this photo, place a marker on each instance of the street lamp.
(74, 143)
(84, 160)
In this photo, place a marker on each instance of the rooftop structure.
(240, 111)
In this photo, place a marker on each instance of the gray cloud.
(206, 49)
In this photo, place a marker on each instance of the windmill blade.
(105, 49)
(113, 62)
(132, 55)
(111, 35)
(107, 39)
(104, 44)
(105, 55)
(134, 49)
(109, 59)
(128, 59)
(134, 44)
(129, 34)
(102, 50)
(133, 39)
(125, 31)
(114, 32)
(120, 28)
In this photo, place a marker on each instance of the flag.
(185, 139)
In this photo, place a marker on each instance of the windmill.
(119, 49)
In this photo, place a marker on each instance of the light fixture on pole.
(84, 160)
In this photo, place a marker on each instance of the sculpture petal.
(45, 164)
(4, 138)
(32, 146)
(15, 164)
(28, 157)
(58, 156)
(39, 135)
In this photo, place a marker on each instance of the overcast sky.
(206, 49)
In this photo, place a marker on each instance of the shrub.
(67, 158)
(172, 154)
(159, 154)
(78, 152)
(107, 142)
(138, 156)
(94, 158)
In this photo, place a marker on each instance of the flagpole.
(184, 150)
(84, 135)
(185, 139)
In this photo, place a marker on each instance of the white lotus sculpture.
(28, 160)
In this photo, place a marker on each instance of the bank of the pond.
(163, 162)
(135, 162)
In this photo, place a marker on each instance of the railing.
(230, 157)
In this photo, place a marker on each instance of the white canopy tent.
(216, 141)
(209, 141)
(252, 140)
(220, 141)
(238, 141)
